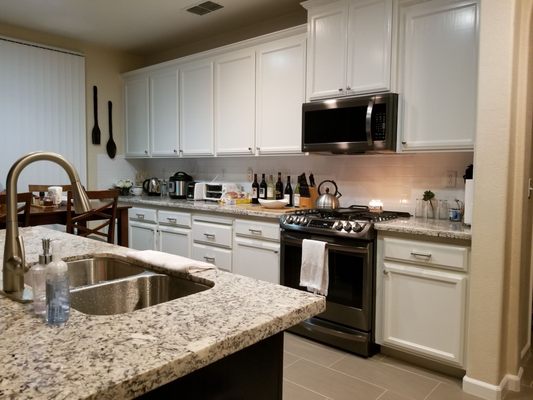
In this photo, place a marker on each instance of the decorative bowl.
(273, 203)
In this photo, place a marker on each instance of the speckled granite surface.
(428, 227)
(209, 206)
(123, 356)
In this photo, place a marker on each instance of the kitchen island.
(129, 355)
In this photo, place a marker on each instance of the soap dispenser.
(38, 278)
(57, 289)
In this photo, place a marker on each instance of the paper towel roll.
(469, 201)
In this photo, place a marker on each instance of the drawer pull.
(172, 220)
(420, 254)
(209, 235)
(209, 259)
(256, 231)
(140, 216)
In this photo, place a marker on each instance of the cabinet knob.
(404, 142)
(249, 149)
(146, 152)
(340, 89)
(175, 151)
(348, 88)
(258, 148)
(181, 152)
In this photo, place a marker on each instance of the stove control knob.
(358, 227)
(337, 225)
(290, 219)
(304, 221)
(347, 227)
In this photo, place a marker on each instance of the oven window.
(346, 274)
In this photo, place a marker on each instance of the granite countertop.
(123, 356)
(428, 227)
(209, 206)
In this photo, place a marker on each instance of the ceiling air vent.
(204, 8)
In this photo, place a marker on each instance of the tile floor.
(313, 371)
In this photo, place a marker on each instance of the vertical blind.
(42, 107)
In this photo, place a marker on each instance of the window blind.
(42, 107)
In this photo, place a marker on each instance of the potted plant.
(429, 198)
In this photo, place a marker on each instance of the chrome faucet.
(14, 262)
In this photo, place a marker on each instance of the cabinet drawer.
(142, 214)
(220, 257)
(173, 218)
(216, 234)
(260, 230)
(427, 253)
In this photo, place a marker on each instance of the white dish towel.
(170, 261)
(314, 272)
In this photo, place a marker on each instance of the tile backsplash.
(396, 179)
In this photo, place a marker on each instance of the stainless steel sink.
(90, 271)
(132, 293)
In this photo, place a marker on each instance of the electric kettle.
(327, 200)
(152, 187)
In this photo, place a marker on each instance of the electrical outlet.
(451, 179)
(250, 174)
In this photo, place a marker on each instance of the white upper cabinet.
(196, 108)
(136, 115)
(280, 94)
(164, 112)
(235, 103)
(349, 50)
(438, 74)
(151, 108)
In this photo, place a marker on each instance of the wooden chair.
(23, 210)
(105, 210)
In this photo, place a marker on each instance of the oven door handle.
(298, 241)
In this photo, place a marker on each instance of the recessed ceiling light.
(204, 8)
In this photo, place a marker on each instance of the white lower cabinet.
(143, 235)
(421, 309)
(256, 250)
(212, 240)
(175, 241)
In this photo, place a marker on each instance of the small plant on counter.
(429, 197)
(124, 186)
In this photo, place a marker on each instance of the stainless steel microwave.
(351, 125)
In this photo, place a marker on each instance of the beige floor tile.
(291, 391)
(402, 382)
(312, 351)
(329, 383)
(525, 393)
(450, 392)
(388, 395)
(395, 362)
(289, 359)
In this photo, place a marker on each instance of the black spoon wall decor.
(96, 128)
(111, 147)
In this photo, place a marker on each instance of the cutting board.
(258, 207)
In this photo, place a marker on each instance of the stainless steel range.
(348, 321)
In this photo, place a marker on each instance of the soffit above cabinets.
(140, 27)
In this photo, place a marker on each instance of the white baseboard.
(524, 350)
(488, 391)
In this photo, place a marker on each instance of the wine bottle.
(279, 188)
(270, 188)
(255, 191)
(296, 196)
(288, 191)
(263, 188)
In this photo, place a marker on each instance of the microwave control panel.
(379, 125)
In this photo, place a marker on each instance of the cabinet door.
(280, 94)
(196, 108)
(142, 235)
(175, 241)
(235, 103)
(164, 112)
(369, 46)
(424, 311)
(215, 255)
(326, 60)
(136, 109)
(256, 259)
(438, 75)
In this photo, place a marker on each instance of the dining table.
(58, 215)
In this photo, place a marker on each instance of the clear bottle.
(255, 191)
(288, 191)
(270, 188)
(263, 188)
(57, 289)
(296, 196)
(38, 279)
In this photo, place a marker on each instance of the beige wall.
(498, 326)
(102, 68)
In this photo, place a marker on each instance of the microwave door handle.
(369, 110)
